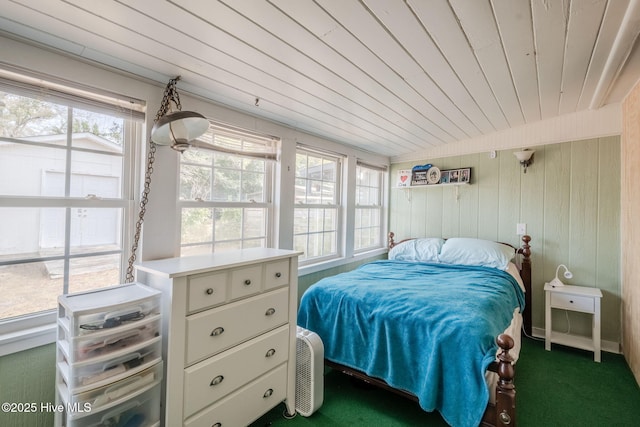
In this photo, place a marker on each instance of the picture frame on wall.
(455, 176)
(465, 175)
(404, 178)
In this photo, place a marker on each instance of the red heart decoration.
(403, 178)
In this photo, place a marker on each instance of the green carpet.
(564, 387)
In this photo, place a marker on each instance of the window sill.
(313, 268)
(24, 334)
(27, 332)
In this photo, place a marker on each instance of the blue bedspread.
(428, 329)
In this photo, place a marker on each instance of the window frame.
(22, 332)
(207, 143)
(380, 207)
(338, 206)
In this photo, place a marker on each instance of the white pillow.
(468, 251)
(417, 250)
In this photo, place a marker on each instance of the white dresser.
(229, 340)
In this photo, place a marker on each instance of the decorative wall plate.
(433, 175)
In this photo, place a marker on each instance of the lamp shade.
(567, 275)
(179, 127)
(524, 155)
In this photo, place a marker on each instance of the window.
(368, 220)
(316, 218)
(64, 193)
(226, 187)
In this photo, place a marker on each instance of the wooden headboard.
(525, 273)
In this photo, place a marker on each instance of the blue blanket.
(428, 329)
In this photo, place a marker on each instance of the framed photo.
(451, 176)
(404, 178)
(465, 175)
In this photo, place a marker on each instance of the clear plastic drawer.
(142, 410)
(100, 371)
(115, 393)
(109, 341)
(107, 308)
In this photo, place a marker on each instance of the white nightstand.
(574, 298)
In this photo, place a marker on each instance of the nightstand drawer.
(572, 302)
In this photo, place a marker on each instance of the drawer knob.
(217, 425)
(209, 291)
(217, 331)
(271, 352)
(217, 380)
(278, 274)
(571, 301)
(247, 282)
(270, 312)
(268, 393)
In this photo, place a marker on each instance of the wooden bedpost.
(391, 242)
(525, 274)
(505, 390)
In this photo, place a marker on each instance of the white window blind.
(232, 140)
(33, 86)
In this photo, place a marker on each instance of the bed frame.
(503, 412)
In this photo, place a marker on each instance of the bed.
(438, 322)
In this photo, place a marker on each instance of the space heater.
(309, 372)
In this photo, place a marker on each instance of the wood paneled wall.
(631, 230)
(569, 199)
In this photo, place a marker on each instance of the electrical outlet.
(492, 154)
(521, 229)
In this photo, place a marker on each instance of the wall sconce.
(525, 157)
(177, 128)
(567, 275)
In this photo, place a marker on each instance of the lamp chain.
(170, 94)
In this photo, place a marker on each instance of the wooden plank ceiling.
(393, 77)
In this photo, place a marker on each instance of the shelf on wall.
(457, 186)
(448, 184)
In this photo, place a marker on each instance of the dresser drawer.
(572, 302)
(218, 329)
(276, 274)
(246, 404)
(213, 378)
(246, 281)
(207, 290)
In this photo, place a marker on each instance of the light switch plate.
(521, 229)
